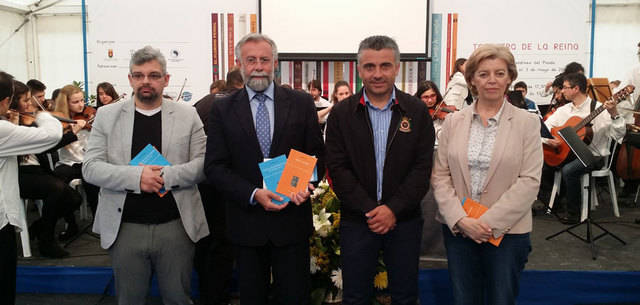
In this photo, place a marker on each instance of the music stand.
(585, 156)
(598, 89)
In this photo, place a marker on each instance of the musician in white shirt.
(16, 140)
(457, 89)
(606, 125)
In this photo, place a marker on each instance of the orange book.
(474, 210)
(296, 174)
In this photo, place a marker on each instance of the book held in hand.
(474, 210)
(297, 173)
(149, 155)
(271, 170)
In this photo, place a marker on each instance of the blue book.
(271, 172)
(150, 156)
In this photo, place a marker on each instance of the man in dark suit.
(379, 155)
(214, 254)
(263, 121)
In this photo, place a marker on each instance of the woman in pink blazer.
(490, 152)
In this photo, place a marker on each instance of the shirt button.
(119, 210)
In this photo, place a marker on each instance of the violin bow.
(181, 89)
(61, 119)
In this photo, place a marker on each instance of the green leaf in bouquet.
(317, 295)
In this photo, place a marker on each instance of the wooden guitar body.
(554, 156)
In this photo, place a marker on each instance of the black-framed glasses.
(154, 76)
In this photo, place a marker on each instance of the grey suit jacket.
(106, 164)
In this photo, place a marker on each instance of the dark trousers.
(59, 198)
(289, 266)
(485, 274)
(359, 255)
(68, 173)
(571, 173)
(8, 263)
(214, 254)
(546, 184)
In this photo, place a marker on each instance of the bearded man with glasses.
(149, 216)
(261, 121)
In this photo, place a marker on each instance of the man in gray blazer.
(142, 230)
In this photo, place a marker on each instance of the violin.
(58, 115)
(441, 110)
(88, 114)
(27, 118)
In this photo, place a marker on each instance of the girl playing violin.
(70, 103)
(37, 181)
(429, 94)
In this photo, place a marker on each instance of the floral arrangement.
(326, 274)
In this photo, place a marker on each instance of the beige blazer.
(513, 179)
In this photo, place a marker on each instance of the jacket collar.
(398, 100)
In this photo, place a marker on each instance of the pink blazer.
(513, 179)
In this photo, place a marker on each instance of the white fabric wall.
(60, 61)
(61, 51)
(13, 54)
(617, 34)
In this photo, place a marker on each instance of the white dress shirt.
(20, 140)
(603, 126)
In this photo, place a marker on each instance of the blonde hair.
(489, 51)
(62, 101)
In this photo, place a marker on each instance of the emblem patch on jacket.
(405, 124)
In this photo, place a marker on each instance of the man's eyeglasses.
(253, 60)
(152, 76)
(567, 87)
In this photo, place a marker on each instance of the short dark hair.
(377, 43)
(577, 79)
(573, 67)
(6, 85)
(220, 84)
(520, 84)
(55, 93)
(36, 85)
(429, 85)
(557, 82)
(234, 79)
(314, 83)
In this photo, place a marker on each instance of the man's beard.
(147, 99)
(258, 84)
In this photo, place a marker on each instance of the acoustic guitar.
(554, 156)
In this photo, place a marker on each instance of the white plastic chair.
(76, 184)
(604, 172)
(24, 234)
(557, 181)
